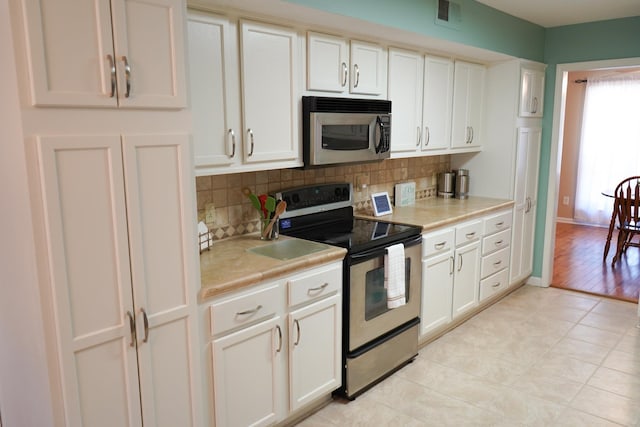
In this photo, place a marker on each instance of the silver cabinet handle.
(460, 265)
(345, 73)
(495, 285)
(132, 328)
(499, 242)
(145, 319)
(419, 133)
(357, 71)
(499, 224)
(468, 135)
(318, 288)
(471, 140)
(428, 135)
(112, 74)
(497, 263)
(232, 139)
(470, 235)
(279, 338)
(298, 332)
(127, 75)
(250, 132)
(528, 206)
(535, 105)
(451, 265)
(244, 313)
(440, 245)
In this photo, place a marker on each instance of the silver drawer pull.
(244, 313)
(440, 245)
(499, 242)
(496, 285)
(470, 235)
(317, 288)
(497, 263)
(499, 224)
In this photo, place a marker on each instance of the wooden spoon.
(280, 208)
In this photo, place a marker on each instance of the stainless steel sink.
(288, 249)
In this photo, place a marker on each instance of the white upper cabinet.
(438, 102)
(118, 53)
(421, 92)
(406, 70)
(245, 114)
(531, 91)
(336, 65)
(214, 90)
(468, 92)
(270, 58)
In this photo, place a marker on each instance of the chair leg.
(622, 237)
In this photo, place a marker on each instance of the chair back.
(627, 202)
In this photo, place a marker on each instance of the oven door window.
(376, 294)
(345, 137)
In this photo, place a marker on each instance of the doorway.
(560, 111)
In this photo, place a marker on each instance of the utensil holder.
(273, 233)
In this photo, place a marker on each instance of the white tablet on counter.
(381, 203)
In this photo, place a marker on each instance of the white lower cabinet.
(496, 242)
(119, 300)
(450, 274)
(276, 346)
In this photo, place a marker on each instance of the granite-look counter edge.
(438, 212)
(228, 265)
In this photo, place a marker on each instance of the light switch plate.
(405, 194)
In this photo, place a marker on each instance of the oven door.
(369, 317)
(348, 137)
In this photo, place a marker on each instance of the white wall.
(24, 387)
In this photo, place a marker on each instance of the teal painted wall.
(481, 26)
(595, 41)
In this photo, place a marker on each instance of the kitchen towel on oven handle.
(394, 280)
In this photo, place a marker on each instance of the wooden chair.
(627, 205)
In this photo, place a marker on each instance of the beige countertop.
(230, 265)
(438, 212)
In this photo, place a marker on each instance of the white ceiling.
(554, 13)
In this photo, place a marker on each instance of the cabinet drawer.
(495, 223)
(494, 262)
(245, 309)
(468, 232)
(315, 284)
(496, 241)
(438, 241)
(494, 284)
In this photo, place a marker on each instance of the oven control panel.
(316, 198)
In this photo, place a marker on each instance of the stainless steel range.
(376, 340)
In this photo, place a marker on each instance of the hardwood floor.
(578, 263)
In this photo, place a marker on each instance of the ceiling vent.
(449, 14)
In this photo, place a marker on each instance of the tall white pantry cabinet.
(112, 189)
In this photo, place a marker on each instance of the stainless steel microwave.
(345, 130)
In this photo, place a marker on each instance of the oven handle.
(371, 252)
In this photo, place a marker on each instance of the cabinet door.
(468, 91)
(246, 375)
(270, 93)
(327, 63)
(160, 213)
(368, 69)
(214, 91)
(90, 284)
(466, 280)
(438, 100)
(70, 49)
(405, 93)
(437, 291)
(315, 351)
(531, 92)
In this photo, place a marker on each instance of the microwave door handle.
(379, 136)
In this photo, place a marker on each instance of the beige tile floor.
(539, 357)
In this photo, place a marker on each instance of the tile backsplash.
(227, 212)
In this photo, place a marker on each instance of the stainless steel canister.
(446, 184)
(462, 184)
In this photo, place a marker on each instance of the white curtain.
(609, 145)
